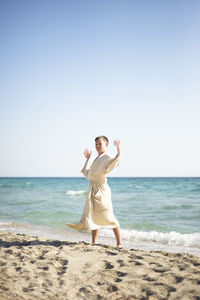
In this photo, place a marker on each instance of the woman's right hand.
(87, 153)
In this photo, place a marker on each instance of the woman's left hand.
(117, 144)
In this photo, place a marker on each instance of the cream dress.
(98, 211)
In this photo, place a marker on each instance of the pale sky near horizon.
(73, 70)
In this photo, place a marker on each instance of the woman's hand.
(117, 144)
(87, 153)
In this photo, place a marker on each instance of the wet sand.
(37, 268)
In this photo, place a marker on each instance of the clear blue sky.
(73, 70)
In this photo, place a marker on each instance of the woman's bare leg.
(94, 236)
(116, 231)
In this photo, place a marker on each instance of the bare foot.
(93, 244)
(120, 246)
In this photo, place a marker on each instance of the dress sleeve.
(86, 168)
(113, 163)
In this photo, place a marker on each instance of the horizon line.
(107, 177)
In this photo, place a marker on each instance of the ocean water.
(154, 213)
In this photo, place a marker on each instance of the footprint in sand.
(111, 253)
(139, 257)
(118, 280)
(148, 278)
(41, 257)
(26, 290)
(33, 261)
(112, 288)
(121, 274)
(4, 288)
(64, 262)
(85, 290)
(153, 263)
(9, 251)
(2, 263)
(147, 291)
(21, 257)
(137, 263)
(121, 263)
(108, 265)
(163, 270)
(169, 289)
(196, 282)
(133, 256)
(62, 270)
(179, 279)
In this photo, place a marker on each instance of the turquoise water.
(164, 210)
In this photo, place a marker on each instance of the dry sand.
(35, 268)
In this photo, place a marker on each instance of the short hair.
(102, 137)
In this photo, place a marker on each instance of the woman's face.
(101, 146)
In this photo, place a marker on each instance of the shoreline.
(1, 177)
(39, 268)
(105, 237)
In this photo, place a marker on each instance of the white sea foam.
(172, 238)
(72, 193)
(13, 224)
(151, 241)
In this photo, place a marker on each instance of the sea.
(155, 214)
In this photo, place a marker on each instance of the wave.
(20, 185)
(153, 241)
(171, 238)
(173, 207)
(4, 185)
(197, 189)
(13, 224)
(73, 193)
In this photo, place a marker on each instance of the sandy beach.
(36, 268)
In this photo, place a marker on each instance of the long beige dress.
(98, 211)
